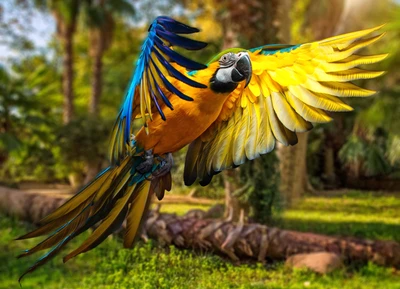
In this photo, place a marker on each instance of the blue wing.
(149, 81)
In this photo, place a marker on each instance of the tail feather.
(136, 212)
(55, 224)
(111, 223)
(61, 233)
(115, 193)
(82, 196)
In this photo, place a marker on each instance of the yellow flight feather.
(136, 212)
(117, 213)
(288, 90)
(78, 199)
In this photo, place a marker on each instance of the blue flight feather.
(177, 74)
(164, 98)
(161, 33)
(180, 41)
(153, 96)
(180, 59)
(169, 86)
(176, 26)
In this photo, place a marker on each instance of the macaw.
(234, 108)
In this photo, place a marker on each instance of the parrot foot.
(146, 166)
(165, 166)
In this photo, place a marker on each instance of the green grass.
(181, 209)
(357, 213)
(148, 266)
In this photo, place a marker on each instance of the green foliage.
(352, 153)
(66, 11)
(96, 14)
(360, 214)
(37, 146)
(375, 161)
(394, 150)
(28, 121)
(383, 112)
(82, 140)
(261, 177)
(366, 156)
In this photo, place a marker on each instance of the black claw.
(146, 166)
(165, 166)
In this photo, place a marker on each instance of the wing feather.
(152, 79)
(291, 87)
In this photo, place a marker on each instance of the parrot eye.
(227, 60)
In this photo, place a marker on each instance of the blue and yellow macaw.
(231, 110)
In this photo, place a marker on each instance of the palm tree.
(66, 14)
(99, 18)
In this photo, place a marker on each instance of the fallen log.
(238, 241)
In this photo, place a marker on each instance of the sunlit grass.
(148, 266)
(182, 209)
(359, 214)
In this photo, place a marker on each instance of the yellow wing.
(290, 88)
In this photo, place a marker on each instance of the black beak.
(242, 70)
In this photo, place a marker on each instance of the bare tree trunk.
(293, 168)
(97, 81)
(236, 240)
(68, 75)
(100, 40)
(97, 51)
(65, 33)
(232, 204)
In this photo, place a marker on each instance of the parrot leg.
(146, 166)
(165, 166)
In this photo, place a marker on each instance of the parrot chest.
(184, 124)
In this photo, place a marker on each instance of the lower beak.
(243, 65)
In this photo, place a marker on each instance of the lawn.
(148, 266)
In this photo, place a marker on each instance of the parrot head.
(233, 68)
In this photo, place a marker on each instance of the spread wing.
(151, 82)
(291, 87)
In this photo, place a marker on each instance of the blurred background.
(64, 68)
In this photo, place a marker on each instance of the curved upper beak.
(243, 69)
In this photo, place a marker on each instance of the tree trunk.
(293, 168)
(68, 75)
(97, 82)
(232, 204)
(100, 40)
(66, 27)
(236, 240)
(96, 52)
(65, 33)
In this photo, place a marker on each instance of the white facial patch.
(224, 75)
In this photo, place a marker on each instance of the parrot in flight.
(232, 109)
